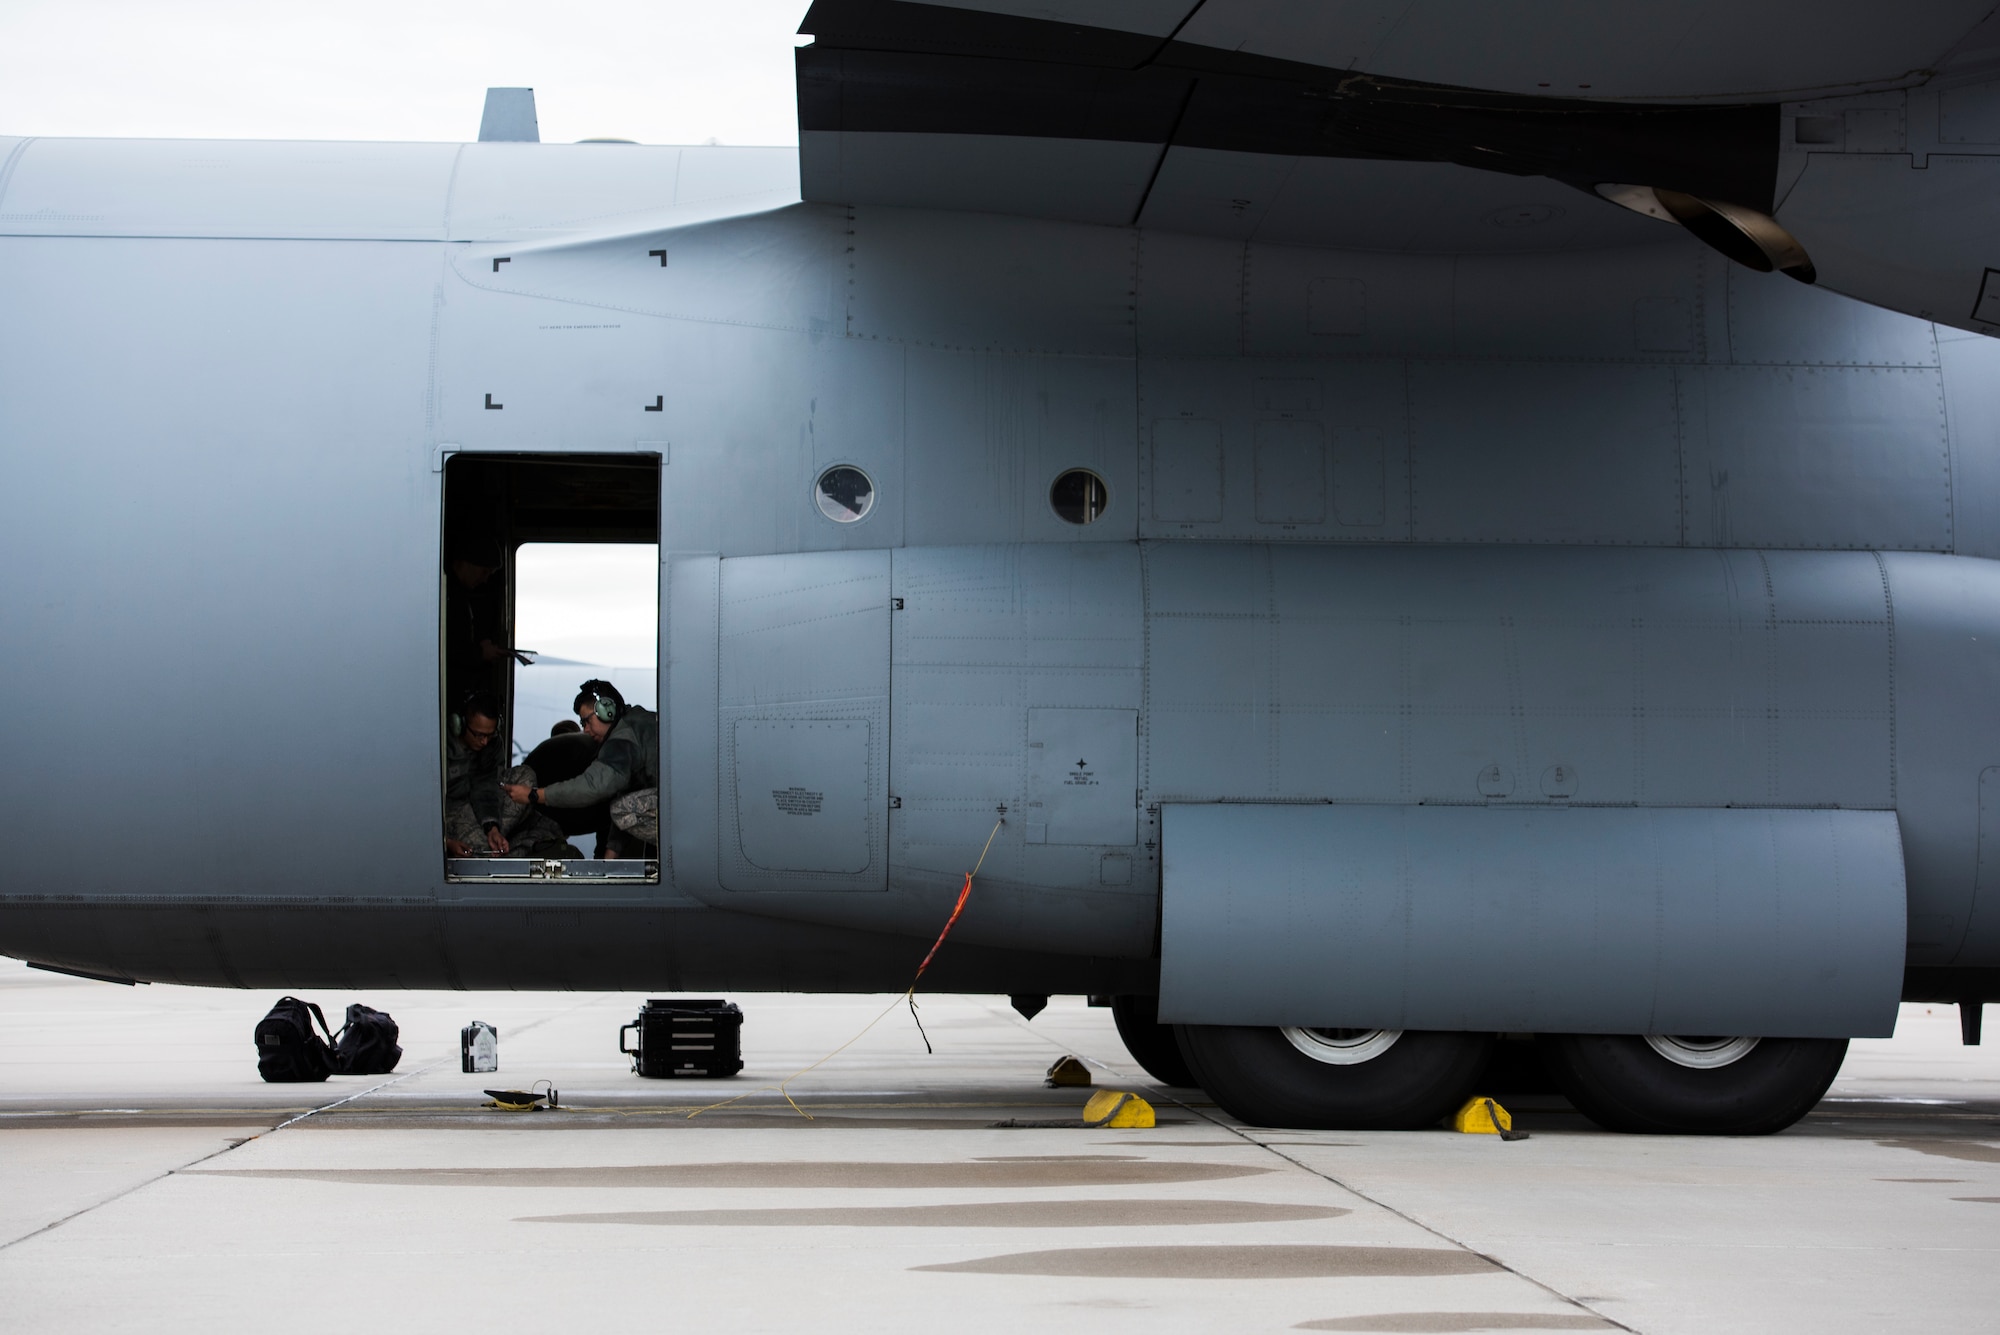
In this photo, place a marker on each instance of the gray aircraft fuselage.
(1569, 531)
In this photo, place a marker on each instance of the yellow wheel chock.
(1113, 1107)
(1484, 1117)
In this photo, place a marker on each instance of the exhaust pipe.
(1754, 240)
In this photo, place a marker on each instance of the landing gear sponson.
(1638, 942)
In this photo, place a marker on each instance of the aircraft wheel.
(1151, 1043)
(1335, 1079)
(1681, 1085)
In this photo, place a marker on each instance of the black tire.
(1151, 1043)
(1260, 1077)
(1621, 1083)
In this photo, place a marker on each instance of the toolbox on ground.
(685, 1036)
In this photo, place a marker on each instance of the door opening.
(549, 644)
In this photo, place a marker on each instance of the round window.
(844, 494)
(1079, 496)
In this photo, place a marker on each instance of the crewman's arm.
(609, 775)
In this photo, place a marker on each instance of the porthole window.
(844, 494)
(1079, 496)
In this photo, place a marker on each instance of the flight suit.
(626, 771)
(474, 800)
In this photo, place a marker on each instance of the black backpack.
(288, 1051)
(366, 1044)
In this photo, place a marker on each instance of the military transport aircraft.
(1419, 521)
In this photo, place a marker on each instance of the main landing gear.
(1151, 1043)
(1673, 1084)
(1386, 1079)
(1335, 1079)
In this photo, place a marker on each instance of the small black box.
(686, 1036)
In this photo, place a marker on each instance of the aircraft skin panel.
(522, 192)
(1070, 180)
(1692, 49)
(1466, 451)
(1369, 204)
(225, 556)
(1947, 665)
(550, 946)
(1914, 240)
(1772, 321)
(1571, 454)
(989, 432)
(228, 188)
(1758, 439)
(691, 817)
(1687, 50)
(996, 655)
(376, 191)
(1725, 691)
(1606, 920)
(803, 721)
(1154, 18)
(774, 269)
(1006, 659)
(1970, 366)
(981, 283)
(1272, 123)
(229, 571)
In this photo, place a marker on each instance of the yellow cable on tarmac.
(909, 995)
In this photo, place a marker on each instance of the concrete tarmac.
(149, 1180)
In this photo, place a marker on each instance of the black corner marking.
(504, 259)
(658, 405)
(491, 404)
(663, 256)
(1988, 291)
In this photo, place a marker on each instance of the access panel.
(802, 794)
(1083, 774)
(1567, 920)
(802, 702)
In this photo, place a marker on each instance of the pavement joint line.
(119, 1196)
(240, 1143)
(358, 1094)
(1438, 1233)
(213, 1154)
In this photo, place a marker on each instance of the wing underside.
(1257, 119)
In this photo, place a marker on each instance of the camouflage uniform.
(638, 814)
(530, 832)
(626, 773)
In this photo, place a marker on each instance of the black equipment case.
(686, 1036)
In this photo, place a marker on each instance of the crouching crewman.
(479, 820)
(626, 771)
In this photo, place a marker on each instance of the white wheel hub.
(1344, 1047)
(1704, 1053)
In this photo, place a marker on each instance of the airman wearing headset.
(626, 771)
(478, 820)
(472, 772)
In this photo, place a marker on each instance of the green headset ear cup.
(606, 710)
(455, 724)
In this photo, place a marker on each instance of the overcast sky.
(659, 71)
(590, 603)
(595, 602)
